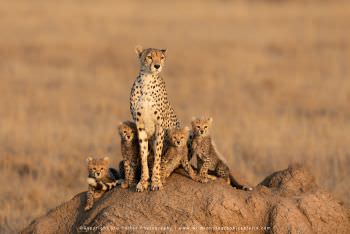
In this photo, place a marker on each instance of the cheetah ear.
(210, 120)
(120, 125)
(106, 159)
(89, 159)
(193, 121)
(139, 50)
(170, 131)
(164, 51)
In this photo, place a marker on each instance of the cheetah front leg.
(203, 171)
(143, 141)
(89, 199)
(163, 170)
(126, 181)
(188, 168)
(158, 149)
(132, 175)
(168, 166)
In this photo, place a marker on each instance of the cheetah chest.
(201, 147)
(146, 106)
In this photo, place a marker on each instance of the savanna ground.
(273, 74)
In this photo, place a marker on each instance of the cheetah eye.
(102, 169)
(94, 168)
(162, 57)
(149, 57)
(205, 127)
(198, 127)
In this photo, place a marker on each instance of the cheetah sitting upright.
(130, 152)
(152, 112)
(207, 154)
(177, 153)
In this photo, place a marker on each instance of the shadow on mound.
(287, 201)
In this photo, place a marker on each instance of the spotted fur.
(130, 152)
(101, 178)
(177, 154)
(208, 156)
(151, 112)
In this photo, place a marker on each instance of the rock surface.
(287, 201)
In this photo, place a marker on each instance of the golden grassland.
(274, 75)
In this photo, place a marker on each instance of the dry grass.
(274, 75)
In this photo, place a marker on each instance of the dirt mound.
(287, 201)
(292, 181)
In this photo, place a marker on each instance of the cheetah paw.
(124, 185)
(247, 188)
(91, 181)
(142, 186)
(119, 182)
(203, 180)
(211, 177)
(156, 186)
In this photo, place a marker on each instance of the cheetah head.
(178, 136)
(152, 60)
(201, 126)
(127, 131)
(98, 167)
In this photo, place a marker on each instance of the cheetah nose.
(178, 142)
(157, 66)
(97, 173)
(202, 131)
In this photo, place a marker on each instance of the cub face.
(98, 167)
(201, 126)
(152, 60)
(178, 136)
(127, 131)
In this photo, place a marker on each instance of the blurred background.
(274, 75)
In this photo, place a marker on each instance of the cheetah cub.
(101, 179)
(207, 155)
(130, 151)
(176, 154)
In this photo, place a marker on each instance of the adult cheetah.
(151, 112)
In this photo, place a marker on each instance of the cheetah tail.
(234, 183)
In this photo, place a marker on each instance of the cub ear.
(106, 159)
(193, 118)
(164, 51)
(138, 50)
(89, 159)
(120, 126)
(170, 131)
(210, 120)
